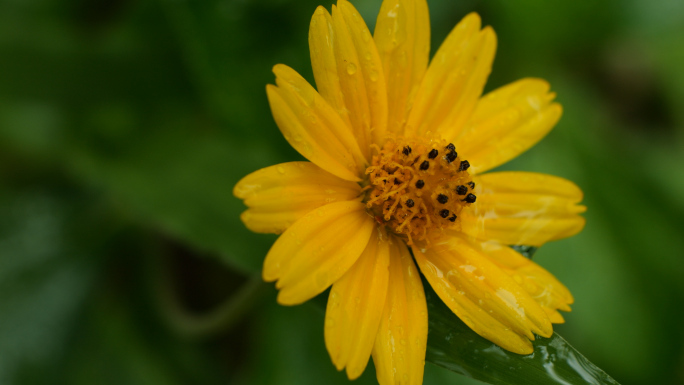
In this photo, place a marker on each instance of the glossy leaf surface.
(454, 346)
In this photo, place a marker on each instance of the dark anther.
(396, 181)
(471, 184)
(441, 198)
(453, 218)
(444, 213)
(451, 147)
(461, 190)
(464, 165)
(420, 183)
(450, 157)
(407, 150)
(425, 165)
(433, 154)
(470, 198)
(409, 203)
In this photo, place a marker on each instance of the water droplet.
(365, 35)
(517, 279)
(368, 56)
(281, 169)
(322, 279)
(373, 75)
(351, 68)
(403, 60)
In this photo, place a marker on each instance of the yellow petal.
(523, 208)
(507, 122)
(482, 295)
(399, 350)
(370, 67)
(312, 127)
(538, 282)
(317, 250)
(354, 308)
(348, 71)
(454, 81)
(323, 62)
(554, 316)
(279, 195)
(402, 35)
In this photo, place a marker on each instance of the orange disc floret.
(418, 186)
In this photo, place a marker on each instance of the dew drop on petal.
(373, 75)
(351, 68)
(366, 35)
(322, 279)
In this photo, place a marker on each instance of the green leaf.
(454, 346)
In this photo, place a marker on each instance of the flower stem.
(216, 321)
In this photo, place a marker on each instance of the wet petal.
(324, 63)
(312, 127)
(402, 35)
(538, 282)
(454, 80)
(523, 208)
(354, 308)
(554, 315)
(483, 296)
(279, 195)
(507, 122)
(348, 71)
(399, 350)
(317, 250)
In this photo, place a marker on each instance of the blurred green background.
(124, 125)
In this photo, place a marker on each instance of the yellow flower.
(397, 152)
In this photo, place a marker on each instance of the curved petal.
(454, 81)
(399, 350)
(507, 122)
(311, 126)
(554, 315)
(279, 195)
(355, 305)
(402, 35)
(539, 283)
(523, 208)
(317, 250)
(348, 71)
(482, 295)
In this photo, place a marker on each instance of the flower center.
(418, 185)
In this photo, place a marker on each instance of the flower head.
(398, 151)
